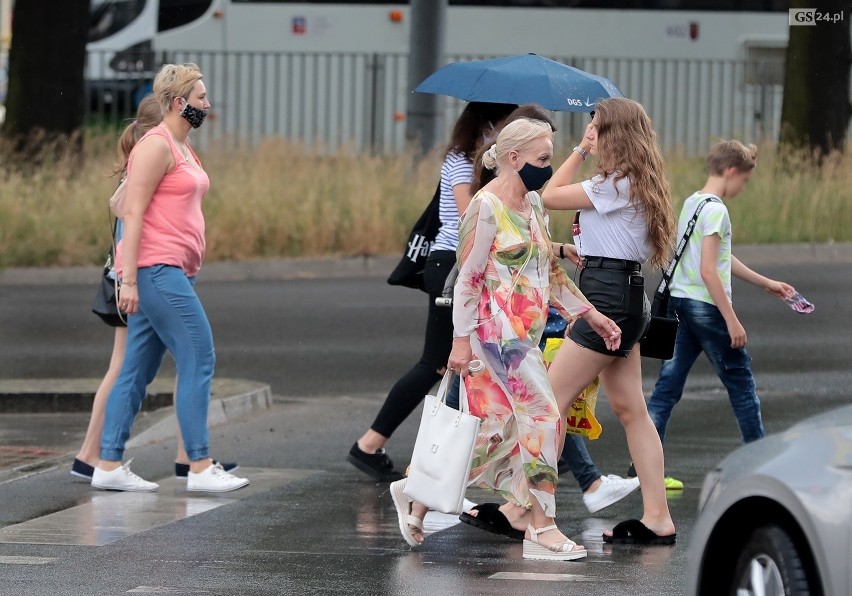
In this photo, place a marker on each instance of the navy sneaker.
(377, 466)
(82, 470)
(182, 470)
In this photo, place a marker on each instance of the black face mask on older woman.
(534, 177)
(193, 115)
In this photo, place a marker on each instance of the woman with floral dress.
(507, 277)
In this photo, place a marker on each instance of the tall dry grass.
(280, 200)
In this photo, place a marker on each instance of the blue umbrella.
(529, 78)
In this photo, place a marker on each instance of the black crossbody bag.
(106, 296)
(659, 339)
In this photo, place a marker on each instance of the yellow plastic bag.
(581, 417)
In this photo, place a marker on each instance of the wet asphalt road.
(330, 348)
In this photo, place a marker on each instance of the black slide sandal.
(491, 519)
(634, 531)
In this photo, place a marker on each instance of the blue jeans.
(453, 393)
(579, 461)
(703, 329)
(170, 316)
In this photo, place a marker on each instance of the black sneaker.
(377, 466)
(182, 470)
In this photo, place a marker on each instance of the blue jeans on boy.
(703, 329)
(170, 316)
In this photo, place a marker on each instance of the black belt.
(607, 263)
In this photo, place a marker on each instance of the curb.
(266, 270)
(230, 399)
(378, 266)
(163, 422)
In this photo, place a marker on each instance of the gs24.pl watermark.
(813, 17)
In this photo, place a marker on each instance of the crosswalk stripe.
(110, 516)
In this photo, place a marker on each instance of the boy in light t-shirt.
(701, 297)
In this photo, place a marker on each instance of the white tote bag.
(443, 451)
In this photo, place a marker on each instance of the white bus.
(721, 29)
(335, 72)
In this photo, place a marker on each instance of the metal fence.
(330, 100)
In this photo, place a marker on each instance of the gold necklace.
(182, 148)
(520, 206)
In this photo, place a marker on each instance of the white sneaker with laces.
(122, 479)
(214, 480)
(612, 489)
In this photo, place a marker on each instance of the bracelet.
(562, 251)
(583, 153)
(129, 283)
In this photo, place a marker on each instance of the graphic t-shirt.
(714, 219)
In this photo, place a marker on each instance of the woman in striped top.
(477, 121)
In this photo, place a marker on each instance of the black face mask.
(193, 115)
(534, 177)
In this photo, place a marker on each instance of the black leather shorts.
(620, 295)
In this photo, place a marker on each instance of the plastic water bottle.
(475, 366)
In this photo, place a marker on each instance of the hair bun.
(489, 158)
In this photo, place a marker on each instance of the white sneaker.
(122, 479)
(612, 489)
(214, 480)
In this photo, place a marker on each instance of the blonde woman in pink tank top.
(161, 252)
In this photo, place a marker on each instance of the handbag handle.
(444, 390)
(663, 288)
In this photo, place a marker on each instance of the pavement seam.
(377, 266)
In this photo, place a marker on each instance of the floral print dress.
(507, 277)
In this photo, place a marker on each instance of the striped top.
(457, 169)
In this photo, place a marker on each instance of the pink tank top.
(173, 225)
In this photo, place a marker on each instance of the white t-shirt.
(457, 169)
(615, 228)
(714, 219)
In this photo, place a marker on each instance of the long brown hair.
(148, 115)
(627, 146)
(477, 118)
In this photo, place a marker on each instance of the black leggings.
(410, 390)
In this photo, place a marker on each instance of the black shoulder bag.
(409, 270)
(106, 297)
(659, 338)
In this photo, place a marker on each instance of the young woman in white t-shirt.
(624, 219)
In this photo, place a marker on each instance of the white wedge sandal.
(403, 512)
(566, 551)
